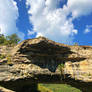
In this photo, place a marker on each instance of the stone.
(3, 61)
(47, 54)
(36, 60)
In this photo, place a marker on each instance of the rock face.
(38, 59)
(41, 55)
(49, 54)
(82, 69)
(41, 52)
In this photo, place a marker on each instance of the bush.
(76, 44)
(13, 39)
(2, 39)
(9, 40)
(9, 60)
(61, 68)
(2, 56)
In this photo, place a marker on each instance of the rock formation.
(81, 67)
(37, 60)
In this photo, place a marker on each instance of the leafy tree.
(76, 44)
(13, 39)
(2, 39)
(9, 40)
(61, 68)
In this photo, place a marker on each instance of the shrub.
(2, 56)
(13, 39)
(9, 59)
(61, 68)
(9, 40)
(2, 39)
(76, 44)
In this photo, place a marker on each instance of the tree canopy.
(9, 40)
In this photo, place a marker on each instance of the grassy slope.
(57, 88)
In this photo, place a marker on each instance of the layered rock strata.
(37, 60)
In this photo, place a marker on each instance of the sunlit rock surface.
(37, 60)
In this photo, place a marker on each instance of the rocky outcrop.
(2, 89)
(82, 69)
(46, 55)
(41, 52)
(49, 54)
(37, 60)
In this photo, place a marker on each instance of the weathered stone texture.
(41, 56)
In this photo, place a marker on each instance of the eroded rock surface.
(38, 59)
(49, 54)
(41, 52)
(81, 69)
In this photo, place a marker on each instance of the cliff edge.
(37, 60)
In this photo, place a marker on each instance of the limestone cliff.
(49, 54)
(81, 69)
(38, 59)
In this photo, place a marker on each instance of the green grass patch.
(59, 88)
(42, 88)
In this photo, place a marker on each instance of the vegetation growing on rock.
(9, 40)
(2, 56)
(61, 68)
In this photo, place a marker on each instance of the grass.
(42, 88)
(58, 88)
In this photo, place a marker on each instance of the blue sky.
(64, 21)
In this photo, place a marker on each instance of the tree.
(61, 68)
(13, 39)
(9, 40)
(2, 39)
(75, 44)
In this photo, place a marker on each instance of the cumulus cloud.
(79, 7)
(88, 29)
(30, 32)
(51, 21)
(8, 16)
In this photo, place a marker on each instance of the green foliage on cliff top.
(9, 40)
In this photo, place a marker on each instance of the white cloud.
(88, 29)
(8, 16)
(79, 7)
(52, 22)
(39, 34)
(30, 32)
